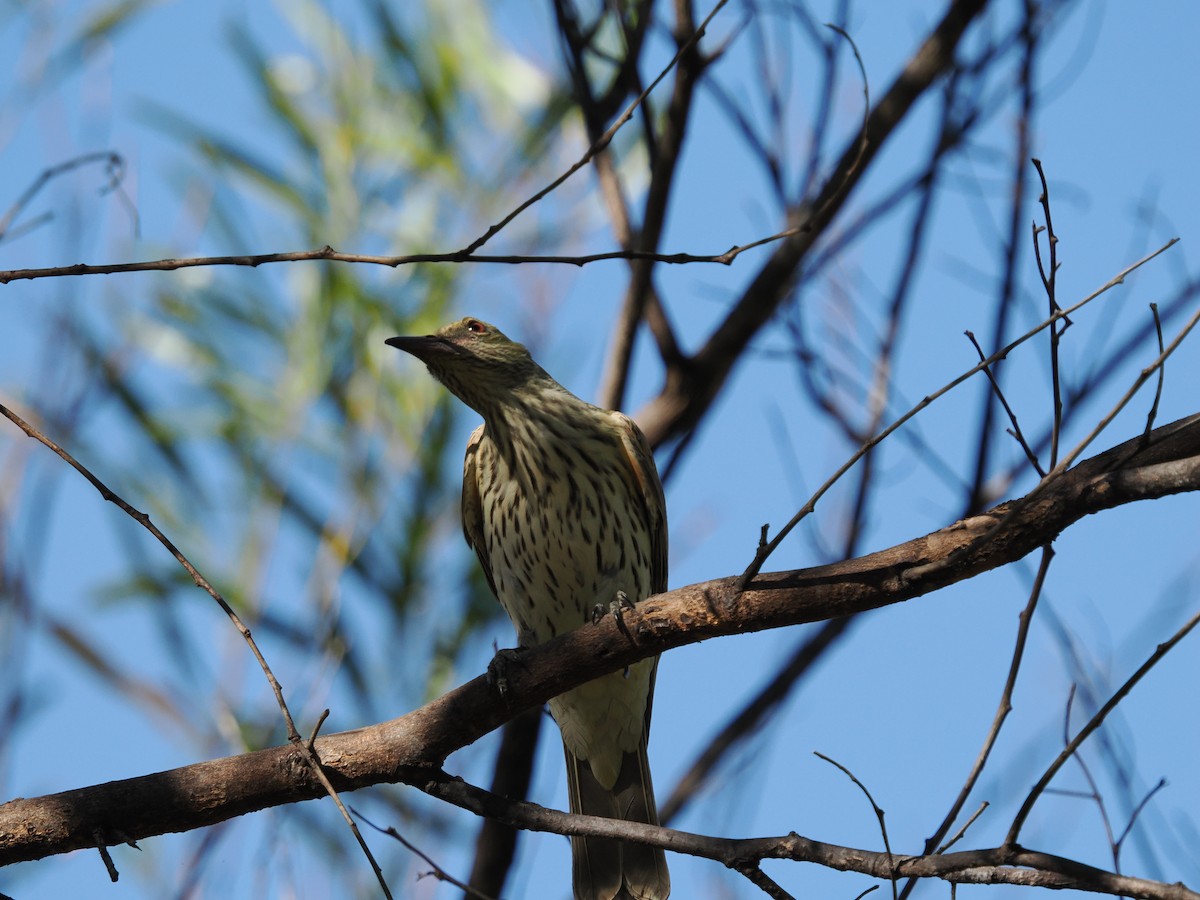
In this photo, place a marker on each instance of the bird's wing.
(472, 507)
(645, 473)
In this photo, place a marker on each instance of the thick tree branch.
(411, 748)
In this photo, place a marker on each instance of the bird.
(563, 505)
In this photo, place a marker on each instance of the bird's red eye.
(475, 326)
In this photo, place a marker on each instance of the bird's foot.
(501, 665)
(620, 603)
(616, 607)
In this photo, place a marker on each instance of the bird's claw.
(616, 607)
(500, 667)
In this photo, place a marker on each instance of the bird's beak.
(422, 348)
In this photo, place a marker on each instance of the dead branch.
(411, 749)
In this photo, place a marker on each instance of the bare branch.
(1001, 865)
(1015, 431)
(143, 519)
(114, 169)
(328, 254)
(412, 748)
(765, 550)
(1002, 711)
(1095, 722)
(1049, 275)
(689, 392)
(437, 871)
(605, 138)
(1162, 370)
(875, 807)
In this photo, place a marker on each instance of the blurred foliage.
(272, 389)
(257, 415)
(313, 475)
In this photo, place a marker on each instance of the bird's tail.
(606, 869)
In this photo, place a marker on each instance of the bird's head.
(475, 360)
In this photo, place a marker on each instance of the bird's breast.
(564, 530)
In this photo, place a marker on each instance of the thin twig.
(1162, 371)
(762, 555)
(1015, 431)
(106, 857)
(1093, 791)
(1009, 251)
(752, 716)
(604, 139)
(1002, 711)
(664, 145)
(1137, 811)
(438, 872)
(1067, 461)
(1105, 369)
(1094, 723)
(312, 738)
(328, 254)
(144, 520)
(1049, 283)
(114, 167)
(879, 814)
(203, 583)
(961, 833)
(761, 880)
(846, 177)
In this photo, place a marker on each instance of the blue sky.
(905, 703)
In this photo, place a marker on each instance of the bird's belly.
(560, 541)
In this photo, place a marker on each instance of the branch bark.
(411, 749)
(1011, 864)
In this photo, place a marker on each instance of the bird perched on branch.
(563, 505)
